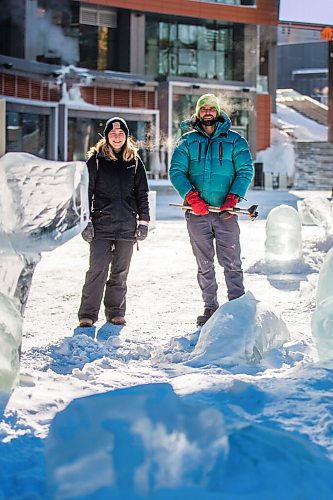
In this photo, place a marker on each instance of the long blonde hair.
(130, 151)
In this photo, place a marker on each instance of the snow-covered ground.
(149, 423)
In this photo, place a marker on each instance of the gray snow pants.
(103, 253)
(203, 230)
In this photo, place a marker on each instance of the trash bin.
(259, 180)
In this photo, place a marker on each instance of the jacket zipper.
(220, 152)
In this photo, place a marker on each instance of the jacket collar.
(222, 127)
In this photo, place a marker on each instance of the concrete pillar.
(63, 131)
(152, 208)
(272, 70)
(251, 54)
(268, 180)
(137, 41)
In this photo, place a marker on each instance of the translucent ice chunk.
(42, 205)
(132, 443)
(304, 215)
(10, 340)
(320, 211)
(325, 279)
(283, 235)
(242, 330)
(322, 328)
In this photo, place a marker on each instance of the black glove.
(141, 232)
(88, 233)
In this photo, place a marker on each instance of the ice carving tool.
(251, 212)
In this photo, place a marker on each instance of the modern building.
(66, 66)
(303, 61)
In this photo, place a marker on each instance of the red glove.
(230, 202)
(199, 207)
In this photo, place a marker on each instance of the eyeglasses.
(207, 110)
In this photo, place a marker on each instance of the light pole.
(330, 93)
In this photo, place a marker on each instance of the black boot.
(201, 320)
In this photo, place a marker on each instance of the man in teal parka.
(212, 165)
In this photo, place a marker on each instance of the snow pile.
(280, 156)
(288, 126)
(240, 331)
(298, 126)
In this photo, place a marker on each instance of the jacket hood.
(223, 124)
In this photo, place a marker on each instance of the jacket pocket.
(195, 150)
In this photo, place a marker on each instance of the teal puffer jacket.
(214, 165)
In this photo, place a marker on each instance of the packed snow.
(159, 409)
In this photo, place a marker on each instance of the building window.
(83, 133)
(27, 132)
(68, 32)
(199, 51)
(236, 108)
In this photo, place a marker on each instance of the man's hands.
(88, 233)
(199, 206)
(230, 202)
(142, 230)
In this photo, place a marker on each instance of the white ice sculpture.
(42, 205)
(304, 214)
(322, 318)
(320, 211)
(322, 329)
(325, 279)
(240, 331)
(283, 235)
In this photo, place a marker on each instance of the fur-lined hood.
(223, 123)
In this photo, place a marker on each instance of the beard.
(208, 121)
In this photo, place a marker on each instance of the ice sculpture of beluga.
(283, 243)
(43, 204)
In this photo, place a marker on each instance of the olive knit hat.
(207, 100)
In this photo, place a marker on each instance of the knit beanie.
(208, 100)
(114, 124)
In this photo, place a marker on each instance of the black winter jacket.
(118, 196)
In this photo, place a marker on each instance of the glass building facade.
(236, 108)
(209, 50)
(27, 132)
(84, 132)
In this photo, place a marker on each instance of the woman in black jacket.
(119, 216)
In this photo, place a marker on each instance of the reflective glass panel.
(27, 132)
(195, 51)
